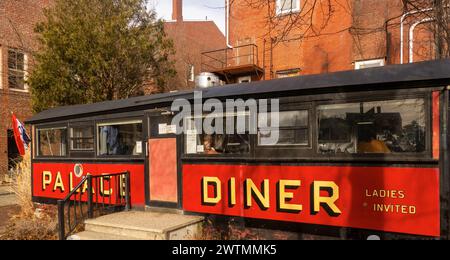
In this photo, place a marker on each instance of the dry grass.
(222, 228)
(32, 222)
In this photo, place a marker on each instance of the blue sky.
(194, 10)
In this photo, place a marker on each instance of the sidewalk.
(7, 197)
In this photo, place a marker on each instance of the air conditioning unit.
(206, 80)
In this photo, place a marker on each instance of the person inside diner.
(208, 145)
(368, 142)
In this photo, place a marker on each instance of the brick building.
(282, 38)
(17, 43)
(191, 38)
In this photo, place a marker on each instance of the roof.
(431, 72)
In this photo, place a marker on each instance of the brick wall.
(190, 39)
(357, 30)
(17, 22)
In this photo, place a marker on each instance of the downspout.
(227, 14)
(402, 21)
(411, 36)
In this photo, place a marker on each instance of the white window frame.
(280, 11)
(246, 79)
(360, 64)
(25, 72)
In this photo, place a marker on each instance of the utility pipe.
(411, 36)
(227, 30)
(402, 21)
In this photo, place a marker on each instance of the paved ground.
(8, 205)
(5, 215)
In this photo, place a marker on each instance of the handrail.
(229, 57)
(77, 204)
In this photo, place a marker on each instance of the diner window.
(82, 138)
(16, 69)
(218, 144)
(52, 142)
(287, 6)
(293, 129)
(381, 127)
(121, 138)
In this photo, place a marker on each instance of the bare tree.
(436, 14)
(294, 25)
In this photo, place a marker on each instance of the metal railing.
(230, 57)
(94, 196)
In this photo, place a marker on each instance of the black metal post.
(61, 221)
(90, 197)
(127, 191)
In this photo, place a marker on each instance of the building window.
(246, 79)
(288, 73)
(82, 138)
(191, 73)
(369, 64)
(382, 127)
(52, 142)
(121, 138)
(293, 128)
(287, 6)
(16, 69)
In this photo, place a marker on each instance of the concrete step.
(90, 235)
(146, 225)
(163, 210)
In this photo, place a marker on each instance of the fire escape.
(231, 64)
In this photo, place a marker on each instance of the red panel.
(65, 170)
(358, 187)
(163, 170)
(436, 120)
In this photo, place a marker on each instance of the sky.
(193, 10)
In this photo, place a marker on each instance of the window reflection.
(52, 142)
(123, 138)
(383, 127)
(214, 144)
(292, 130)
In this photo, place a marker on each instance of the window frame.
(244, 79)
(119, 121)
(283, 74)
(37, 141)
(311, 153)
(24, 71)
(184, 153)
(70, 132)
(280, 12)
(359, 64)
(427, 153)
(309, 128)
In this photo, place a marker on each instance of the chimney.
(177, 10)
